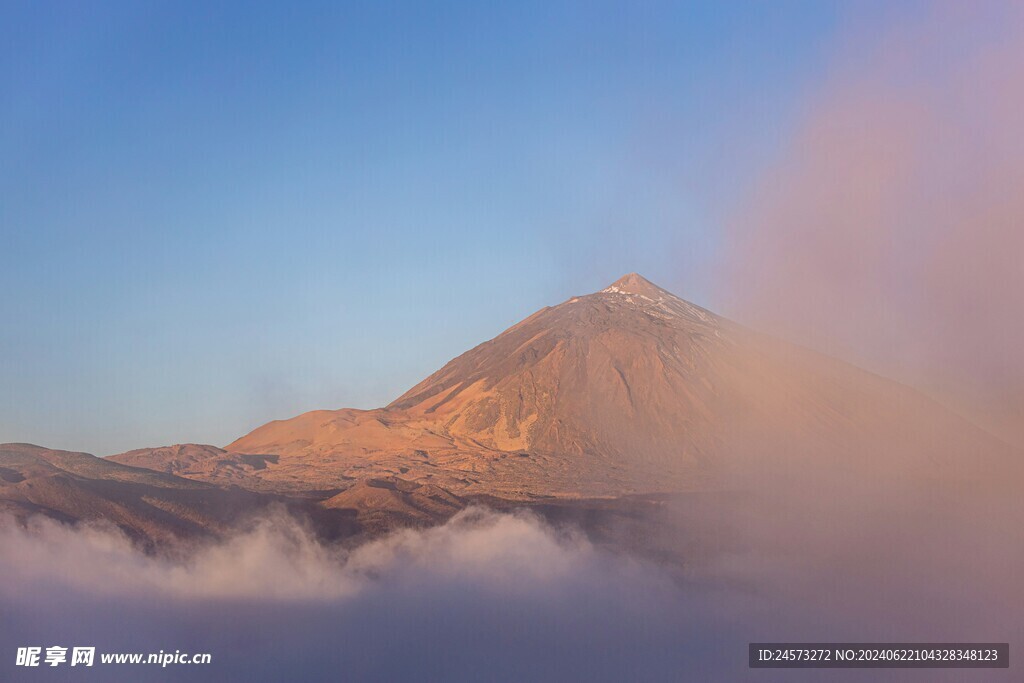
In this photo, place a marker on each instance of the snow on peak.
(636, 284)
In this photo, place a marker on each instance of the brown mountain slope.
(383, 504)
(75, 487)
(630, 389)
(201, 462)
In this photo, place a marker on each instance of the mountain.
(627, 390)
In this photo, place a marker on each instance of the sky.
(217, 214)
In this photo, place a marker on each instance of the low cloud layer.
(485, 597)
(501, 597)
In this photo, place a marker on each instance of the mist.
(889, 230)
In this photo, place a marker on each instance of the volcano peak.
(634, 283)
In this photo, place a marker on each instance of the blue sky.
(216, 214)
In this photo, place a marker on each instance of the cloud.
(278, 558)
